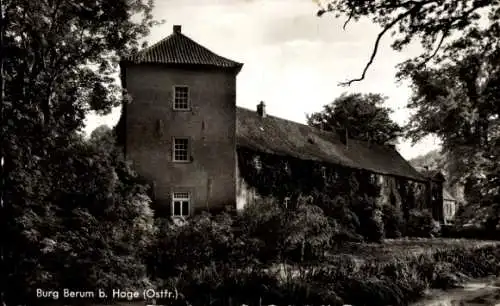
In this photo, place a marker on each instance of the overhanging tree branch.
(438, 47)
(377, 42)
(348, 19)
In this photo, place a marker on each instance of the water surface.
(484, 292)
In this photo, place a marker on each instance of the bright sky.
(292, 59)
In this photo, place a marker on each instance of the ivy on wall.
(280, 176)
(347, 195)
(287, 177)
(351, 196)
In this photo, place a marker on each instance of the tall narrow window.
(323, 172)
(286, 202)
(181, 98)
(257, 163)
(181, 201)
(181, 150)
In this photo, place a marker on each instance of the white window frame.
(286, 201)
(175, 106)
(180, 197)
(287, 167)
(188, 150)
(323, 172)
(257, 162)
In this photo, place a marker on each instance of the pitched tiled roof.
(179, 49)
(282, 137)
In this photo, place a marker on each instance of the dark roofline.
(335, 164)
(294, 122)
(132, 59)
(433, 175)
(334, 135)
(192, 67)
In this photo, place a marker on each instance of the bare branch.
(443, 36)
(348, 19)
(375, 47)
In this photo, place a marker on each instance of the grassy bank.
(406, 247)
(341, 279)
(297, 257)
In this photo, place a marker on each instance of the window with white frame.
(257, 163)
(323, 172)
(181, 201)
(180, 150)
(286, 167)
(181, 98)
(286, 202)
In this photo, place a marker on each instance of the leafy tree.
(458, 101)
(58, 60)
(432, 22)
(85, 224)
(455, 79)
(361, 114)
(432, 160)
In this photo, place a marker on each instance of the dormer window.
(181, 98)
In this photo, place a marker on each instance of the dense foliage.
(458, 101)
(284, 279)
(68, 205)
(262, 234)
(455, 82)
(363, 115)
(347, 196)
(86, 224)
(421, 224)
(394, 222)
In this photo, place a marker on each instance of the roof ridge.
(178, 48)
(290, 138)
(288, 120)
(334, 134)
(205, 48)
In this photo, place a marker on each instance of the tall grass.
(341, 280)
(270, 256)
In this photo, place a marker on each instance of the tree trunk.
(302, 250)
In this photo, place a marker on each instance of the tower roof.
(178, 49)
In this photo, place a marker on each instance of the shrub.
(475, 263)
(393, 221)
(371, 225)
(263, 223)
(203, 240)
(470, 233)
(86, 222)
(421, 224)
(307, 233)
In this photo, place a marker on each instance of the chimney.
(261, 109)
(344, 136)
(177, 29)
